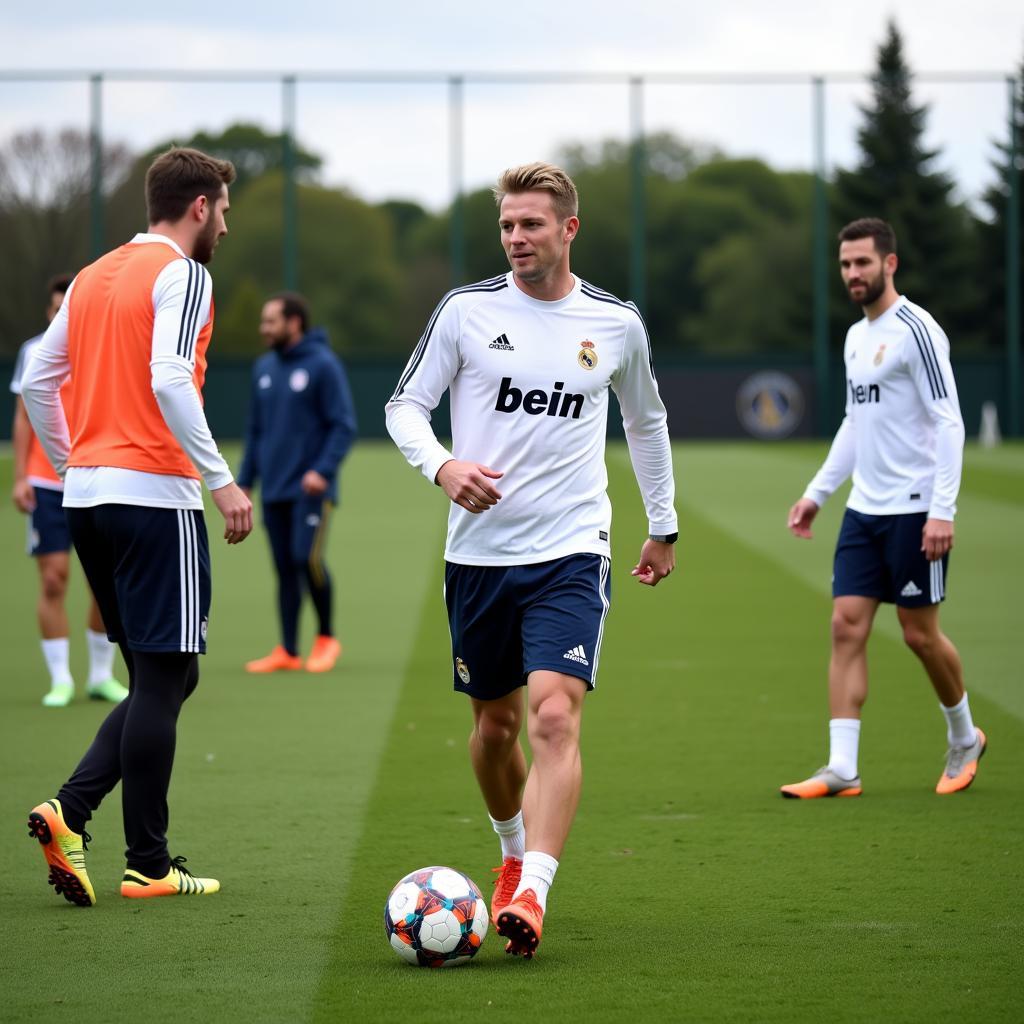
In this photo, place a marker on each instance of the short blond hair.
(540, 177)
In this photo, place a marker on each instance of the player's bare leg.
(941, 661)
(498, 760)
(852, 618)
(935, 651)
(54, 570)
(555, 708)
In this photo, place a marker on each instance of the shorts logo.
(202, 628)
(587, 357)
(463, 671)
(911, 590)
(880, 355)
(265, 382)
(312, 519)
(578, 655)
(299, 380)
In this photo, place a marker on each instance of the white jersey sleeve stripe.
(186, 310)
(927, 350)
(495, 284)
(602, 296)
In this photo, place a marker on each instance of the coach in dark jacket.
(301, 425)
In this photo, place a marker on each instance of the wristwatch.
(665, 538)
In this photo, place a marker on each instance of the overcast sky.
(392, 139)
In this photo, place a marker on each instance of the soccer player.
(301, 425)
(529, 358)
(37, 492)
(902, 439)
(134, 450)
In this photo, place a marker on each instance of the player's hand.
(801, 515)
(24, 496)
(936, 538)
(657, 560)
(469, 485)
(313, 483)
(236, 509)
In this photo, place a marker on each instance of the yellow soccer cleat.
(326, 651)
(64, 851)
(961, 766)
(505, 884)
(824, 782)
(521, 923)
(179, 881)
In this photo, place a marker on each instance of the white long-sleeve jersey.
(902, 436)
(529, 385)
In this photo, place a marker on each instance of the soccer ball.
(435, 917)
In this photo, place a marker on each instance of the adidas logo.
(502, 342)
(911, 590)
(577, 654)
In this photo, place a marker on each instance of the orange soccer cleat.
(824, 782)
(521, 923)
(505, 884)
(961, 765)
(278, 660)
(326, 651)
(64, 851)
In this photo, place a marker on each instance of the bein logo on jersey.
(534, 403)
(860, 394)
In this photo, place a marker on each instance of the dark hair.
(178, 177)
(871, 227)
(293, 304)
(59, 283)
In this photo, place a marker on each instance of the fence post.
(1013, 242)
(638, 196)
(822, 400)
(289, 208)
(96, 232)
(457, 236)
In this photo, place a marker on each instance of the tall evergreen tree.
(895, 180)
(994, 231)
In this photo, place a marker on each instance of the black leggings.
(135, 746)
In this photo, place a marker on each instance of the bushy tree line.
(728, 251)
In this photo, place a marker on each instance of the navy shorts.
(881, 557)
(297, 531)
(150, 571)
(47, 525)
(509, 620)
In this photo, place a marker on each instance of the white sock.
(512, 836)
(538, 874)
(844, 739)
(55, 652)
(101, 657)
(960, 731)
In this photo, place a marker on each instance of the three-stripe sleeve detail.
(600, 295)
(494, 284)
(188, 567)
(926, 348)
(188, 329)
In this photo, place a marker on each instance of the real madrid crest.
(880, 354)
(587, 357)
(463, 671)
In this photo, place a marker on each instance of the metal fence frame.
(636, 84)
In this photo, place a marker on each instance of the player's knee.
(497, 729)
(554, 722)
(849, 630)
(54, 583)
(921, 641)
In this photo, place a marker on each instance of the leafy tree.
(993, 232)
(45, 188)
(895, 180)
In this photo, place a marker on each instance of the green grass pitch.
(689, 891)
